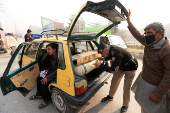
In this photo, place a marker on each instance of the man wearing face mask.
(152, 86)
(122, 64)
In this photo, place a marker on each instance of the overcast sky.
(28, 12)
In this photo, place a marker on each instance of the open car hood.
(112, 10)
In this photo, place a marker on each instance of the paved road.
(14, 102)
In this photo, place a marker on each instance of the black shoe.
(123, 109)
(108, 98)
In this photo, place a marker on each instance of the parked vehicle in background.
(112, 40)
(77, 79)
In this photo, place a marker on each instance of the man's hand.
(128, 16)
(154, 98)
(44, 80)
(101, 58)
(97, 64)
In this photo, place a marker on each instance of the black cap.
(101, 47)
(28, 31)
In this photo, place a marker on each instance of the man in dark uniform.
(27, 36)
(122, 63)
(43, 82)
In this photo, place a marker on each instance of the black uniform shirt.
(28, 38)
(119, 59)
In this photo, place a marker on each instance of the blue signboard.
(36, 36)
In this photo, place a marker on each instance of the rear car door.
(22, 70)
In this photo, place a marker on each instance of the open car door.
(22, 70)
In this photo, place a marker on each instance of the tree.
(70, 20)
(122, 33)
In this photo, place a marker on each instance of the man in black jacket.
(44, 81)
(27, 36)
(122, 63)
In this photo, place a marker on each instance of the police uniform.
(28, 38)
(122, 63)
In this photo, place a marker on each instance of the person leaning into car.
(122, 63)
(42, 83)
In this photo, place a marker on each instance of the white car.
(112, 40)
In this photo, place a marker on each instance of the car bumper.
(78, 101)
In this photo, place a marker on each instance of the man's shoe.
(108, 98)
(123, 109)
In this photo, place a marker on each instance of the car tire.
(59, 101)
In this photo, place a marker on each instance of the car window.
(31, 50)
(94, 46)
(15, 65)
(85, 46)
(104, 39)
(43, 48)
(80, 47)
(92, 25)
(25, 55)
(89, 47)
(61, 57)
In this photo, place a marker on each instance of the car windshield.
(90, 23)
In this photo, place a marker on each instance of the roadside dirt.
(135, 50)
(137, 53)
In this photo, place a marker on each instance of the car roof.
(60, 39)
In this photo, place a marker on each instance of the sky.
(24, 13)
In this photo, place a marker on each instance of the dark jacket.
(28, 38)
(120, 59)
(52, 70)
(49, 63)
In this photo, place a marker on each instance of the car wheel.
(59, 101)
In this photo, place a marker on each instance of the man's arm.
(50, 76)
(115, 63)
(136, 34)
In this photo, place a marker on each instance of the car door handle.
(22, 83)
(31, 68)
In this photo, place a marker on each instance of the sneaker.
(108, 98)
(123, 109)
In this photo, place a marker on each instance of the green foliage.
(96, 29)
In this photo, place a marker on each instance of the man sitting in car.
(46, 76)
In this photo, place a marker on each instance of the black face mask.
(151, 39)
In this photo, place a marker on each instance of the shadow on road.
(96, 108)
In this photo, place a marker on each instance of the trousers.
(128, 79)
(42, 90)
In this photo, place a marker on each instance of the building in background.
(48, 24)
(79, 26)
(35, 29)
